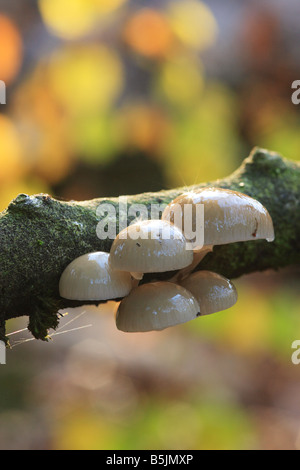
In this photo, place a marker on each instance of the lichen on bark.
(40, 236)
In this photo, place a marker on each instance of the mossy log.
(40, 236)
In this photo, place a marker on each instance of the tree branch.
(40, 236)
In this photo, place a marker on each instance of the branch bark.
(40, 236)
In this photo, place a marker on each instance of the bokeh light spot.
(193, 23)
(96, 138)
(181, 80)
(148, 33)
(143, 126)
(86, 79)
(68, 19)
(10, 49)
(71, 19)
(204, 144)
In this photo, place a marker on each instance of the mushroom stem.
(198, 257)
(136, 278)
(136, 275)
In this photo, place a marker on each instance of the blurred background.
(114, 97)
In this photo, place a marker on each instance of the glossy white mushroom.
(90, 277)
(156, 306)
(212, 291)
(150, 246)
(229, 216)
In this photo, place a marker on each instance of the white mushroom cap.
(229, 216)
(90, 277)
(212, 291)
(156, 306)
(150, 246)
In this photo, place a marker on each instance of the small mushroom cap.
(212, 291)
(90, 277)
(150, 246)
(229, 216)
(156, 306)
